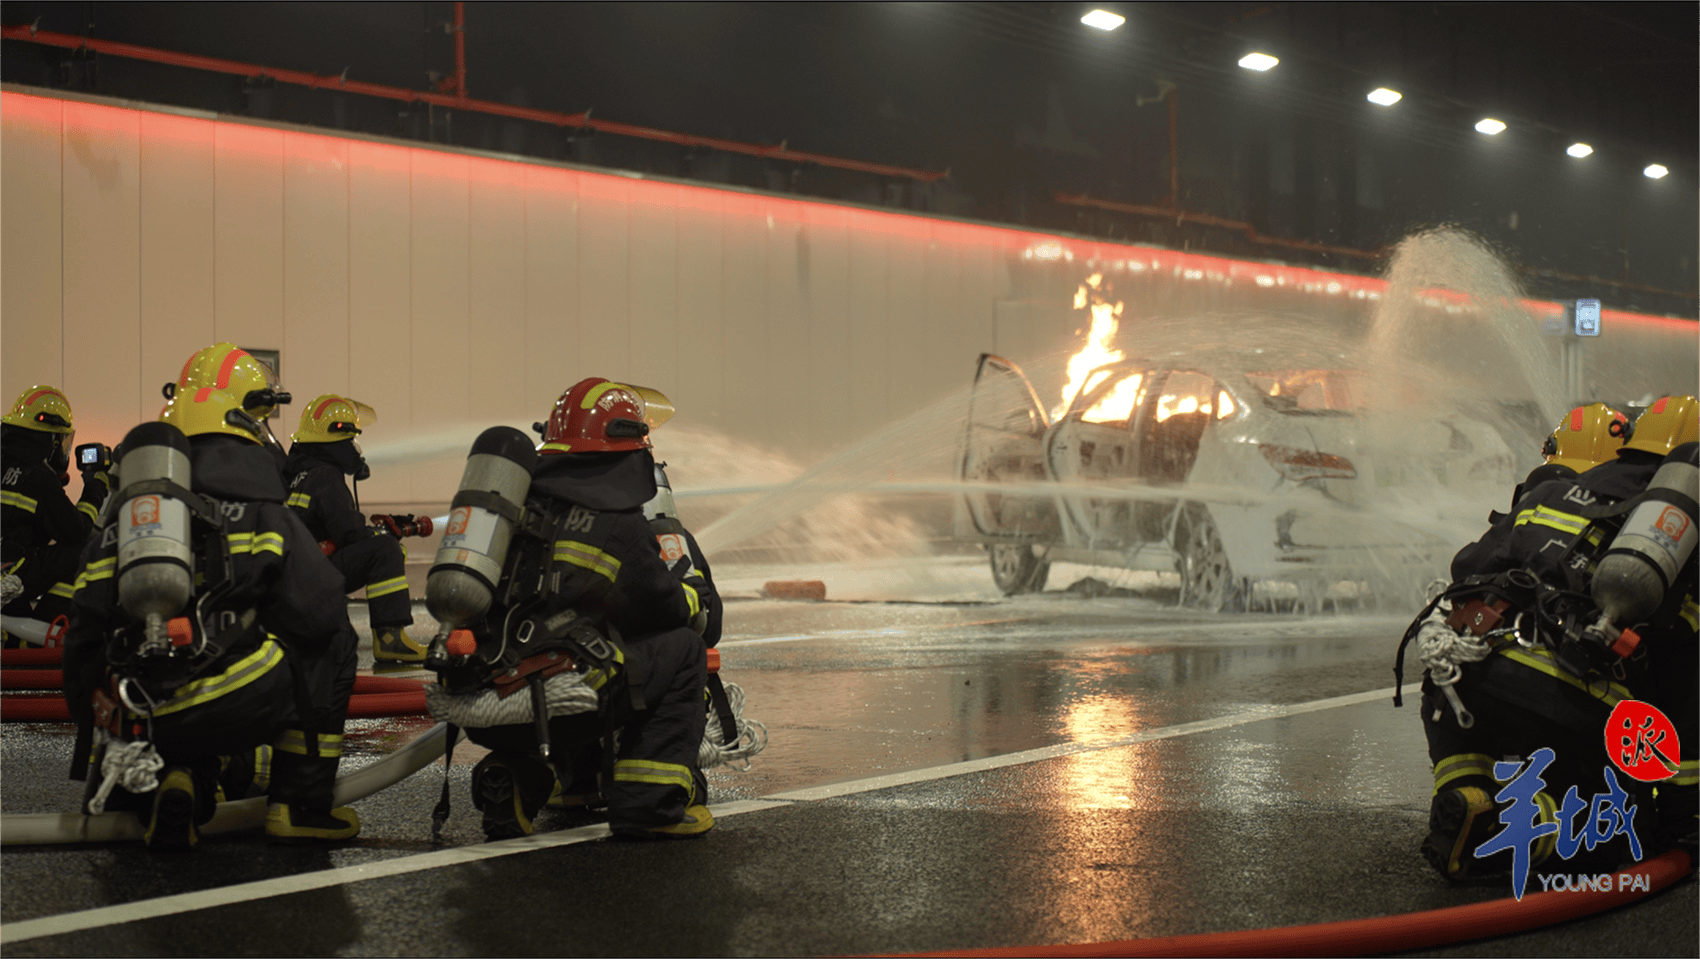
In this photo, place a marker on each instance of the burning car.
(1231, 467)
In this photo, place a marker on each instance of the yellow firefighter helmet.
(1586, 437)
(332, 418)
(1670, 422)
(223, 389)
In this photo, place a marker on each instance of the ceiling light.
(1384, 97)
(1654, 171)
(1258, 61)
(1103, 19)
(1579, 150)
(1490, 126)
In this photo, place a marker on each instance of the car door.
(1092, 446)
(1006, 423)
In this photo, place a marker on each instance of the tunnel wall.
(452, 289)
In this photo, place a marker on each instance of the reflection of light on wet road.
(1104, 779)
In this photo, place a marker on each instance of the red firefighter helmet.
(600, 416)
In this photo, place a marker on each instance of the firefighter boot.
(171, 827)
(697, 819)
(510, 791)
(289, 823)
(393, 650)
(1462, 819)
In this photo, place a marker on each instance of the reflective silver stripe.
(1547, 516)
(63, 590)
(89, 510)
(386, 587)
(299, 500)
(661, 774)
(268, 543)
(244, 671)
(1464, 764)
(98, 570)
(588, 557)
(692, 597)
(295, 741)
(13, 498)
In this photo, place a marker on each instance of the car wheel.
(1017, 570)
(1207, 581)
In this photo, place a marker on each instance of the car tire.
(1016, 569)
(1207, 580)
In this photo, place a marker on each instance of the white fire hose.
(45, 829)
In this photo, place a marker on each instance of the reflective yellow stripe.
(240, 542)
(262, 768)
(98, 570)
(555, 448)
(299, 500)
(693, 598)
(1541, 660)
(1691, 614)
(1687, 773)
(295, 741)
(12, 498)
(244, 671)
(661, 774)
(1547, 516)
(62, 590)
(386, 587)
(1463, 764)
(268, 543)
(588, 557)
(88, 509)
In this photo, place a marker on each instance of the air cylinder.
(1654, 544)
(482, 518)
(155, 553)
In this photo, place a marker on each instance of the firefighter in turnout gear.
(323, 451)
(41, 532)
(1511, 668)
(208, 625)
(583, 582)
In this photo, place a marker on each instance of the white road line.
(15, 932)
(1070, 749)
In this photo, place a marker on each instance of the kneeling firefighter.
(561, 622)
(1543, 633)
(208, 624)
(322, 451)
(41, 532)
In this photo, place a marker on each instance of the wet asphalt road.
(1010, 773)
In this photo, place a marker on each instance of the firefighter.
(41, 532)
(1586, 437)
(323, 451)
(590, 553)
(1523, 696)
(258, 650)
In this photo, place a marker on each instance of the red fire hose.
(374, 697)
(1361, 937)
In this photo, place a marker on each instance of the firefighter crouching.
(1529, 648)
(208, 625)
(565, 610)
(41, 532)
(322, 451)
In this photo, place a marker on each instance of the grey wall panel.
(177, 253)
(102, 271)
(496, 295)
(702, 337)
(440, 385)
(315, 351)
(31, 240)
(551, 285)
(380, 304)
(248, 236)
(451, 291)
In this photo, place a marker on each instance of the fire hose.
(38, 829)
(374, 697)
(1400, 933)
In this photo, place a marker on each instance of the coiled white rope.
(1442, 649)
(751, 739)
(133, 765)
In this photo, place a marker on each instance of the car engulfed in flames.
(1233, 470)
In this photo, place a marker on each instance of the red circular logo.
(1642, 742)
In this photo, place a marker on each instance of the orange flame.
(1094, 296)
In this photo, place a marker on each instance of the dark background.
(1021, 102)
